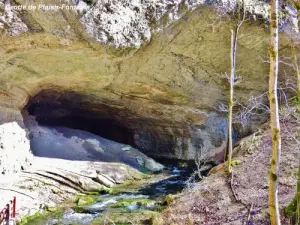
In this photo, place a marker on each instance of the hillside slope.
(219, 199)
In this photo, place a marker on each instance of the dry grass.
(211, 202)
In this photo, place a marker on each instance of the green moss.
(131, 185)
(169, 199)
(56, 191)
(39, 218)
(91, 193)
(235, 163)
(28, 219)
(86, 200)
(51, 209)
(290, 210)
(139, 202)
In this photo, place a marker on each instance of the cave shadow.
(78, 145)
(72, 126)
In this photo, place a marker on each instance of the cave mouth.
(107, 116)
(106, 128)
(68, 110)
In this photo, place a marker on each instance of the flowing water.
(130, 205)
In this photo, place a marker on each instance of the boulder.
(153, 166)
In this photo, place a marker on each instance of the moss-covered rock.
(86, 200)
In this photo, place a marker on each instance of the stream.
(129, 204)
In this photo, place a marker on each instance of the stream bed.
(134, 203)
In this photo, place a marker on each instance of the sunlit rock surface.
(167, 93)
(10, 20)
(132, 22)
(15, 154)
(76, 145)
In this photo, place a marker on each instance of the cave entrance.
(71, 110)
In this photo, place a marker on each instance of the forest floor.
(241, 198)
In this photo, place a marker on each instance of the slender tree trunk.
(297, 5)
(234, 41)
(298, 198)
(298, 88)
(298, 75)
(275, 126)
(230, 103)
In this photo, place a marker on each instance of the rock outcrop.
(10, 21)
(131, 22)
(166, 93)
(77, 145)
(15, 154)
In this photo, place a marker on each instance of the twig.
(232, 189)
(249, 214)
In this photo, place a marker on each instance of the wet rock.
(153, 166)
(127, 148)
(150, 164)
(105, 181)
(74, 144)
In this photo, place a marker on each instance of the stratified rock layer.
(166, 93)
(131, 22)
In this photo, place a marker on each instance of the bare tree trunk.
(234, 41)
(296, 3)
(298, 88)
(298, 75)
(230, 103)
(275, 126)
(298, 198)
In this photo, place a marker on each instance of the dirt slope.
(212, 200)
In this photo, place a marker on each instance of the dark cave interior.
(53, 109)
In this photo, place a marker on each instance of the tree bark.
(274, 116)
(298, 198)
(231, 90)
(234, 41)
(298, 89)
(298, 77)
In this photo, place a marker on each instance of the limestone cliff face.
(14, 149)
(10, 21)
(166, 92)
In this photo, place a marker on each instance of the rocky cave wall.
(166, 92)
(155, 136)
